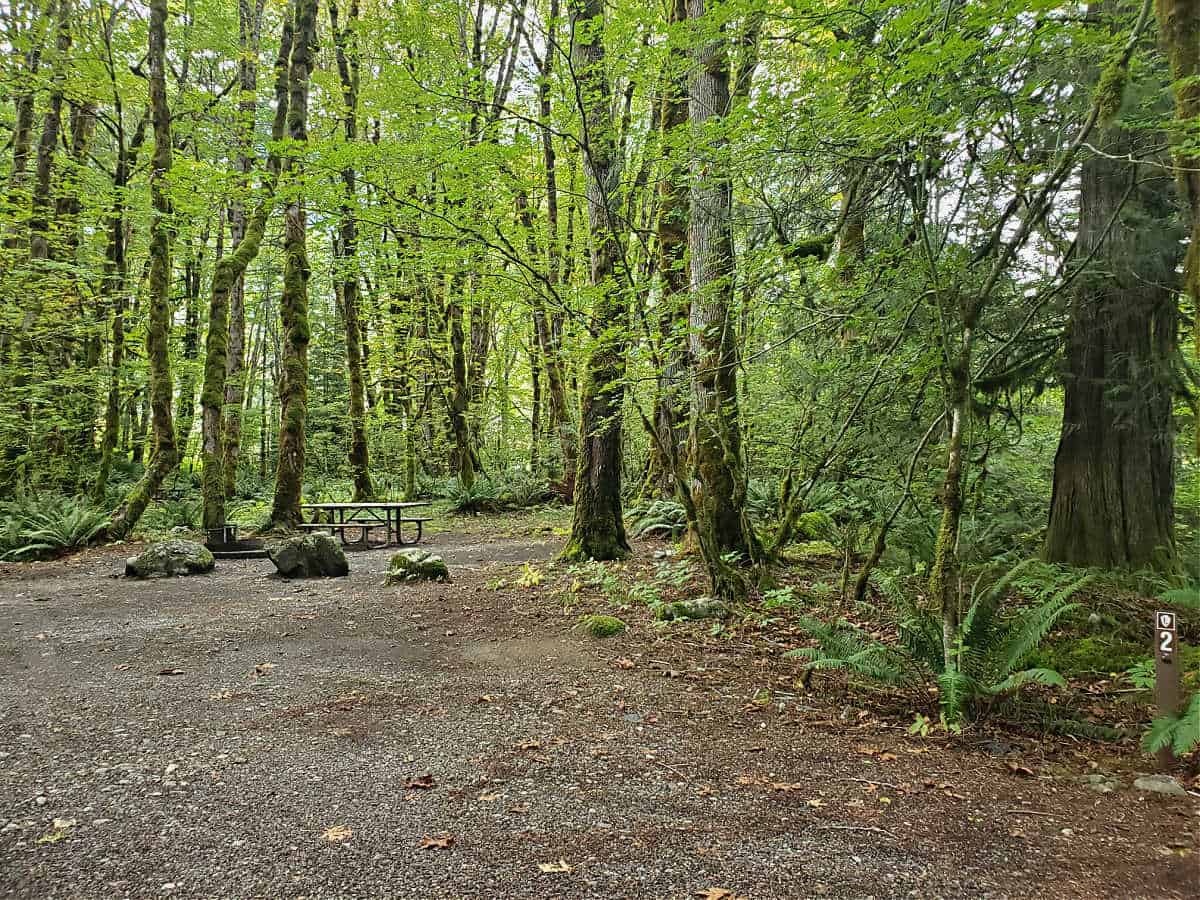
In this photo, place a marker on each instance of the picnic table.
(365, 517)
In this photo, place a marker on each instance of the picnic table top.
(367, 504)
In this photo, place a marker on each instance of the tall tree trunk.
(228, 275)
(1114, 479)
(598, 530)
(185, 413)
(27, 61)
(249, 31)
(158, 326)
(670, 402)
(346, 47)
(718, 482)
(293, 306)
(459, 400)
(1179, 30)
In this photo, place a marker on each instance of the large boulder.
(308, 556)
(167, 558)
(414, 564)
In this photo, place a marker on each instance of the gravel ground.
(236, 735)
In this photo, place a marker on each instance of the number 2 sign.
(1165, 624)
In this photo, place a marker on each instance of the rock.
(308, 556)
(1160, 784)
(414, 564)
(1101, 784)
(167, 558)
(699, 608)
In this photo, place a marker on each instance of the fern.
(987, 650)
(846, 646)
(661, 517)
(1181, 733)
(1186, 597)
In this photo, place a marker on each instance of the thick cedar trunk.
(345, 44)
(1114, 479)
(1179, 30)
(293, 305)
(158, 327)
(227, 276)
(598, 530)
(718, 478)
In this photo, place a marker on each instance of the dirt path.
(302, 708)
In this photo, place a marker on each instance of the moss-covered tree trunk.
(718, 476)
(116, 285)
(158, 325)
(345, 45)
(293, 305)
(671, 398)
(249, 31)
(185, 410)
(227, 276)
(1114, 479)
(598, 529)
(24, 108)
(1179, 30)
(944, 592)
(459, 400)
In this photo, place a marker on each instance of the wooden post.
(1167, 692)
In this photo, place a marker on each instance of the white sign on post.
(1166, 635)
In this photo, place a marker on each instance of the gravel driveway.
(235, 736)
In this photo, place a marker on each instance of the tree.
(293, 303)
(718, 476)
(158, 329)
(598, 529)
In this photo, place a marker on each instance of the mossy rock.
(309, 556)
(601, 626)
(413, 564)
(170, 558)
(699, 608)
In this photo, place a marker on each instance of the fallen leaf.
(561, 866)
(1018, 769)
(421, 782)
(170, 671)
(489, 798)
(529, 745)
(263, 669)
(816, 802)
(706, 791)
(624, 663)
(335, 834)
(61, 827)
(715, 893)
(221, 695)
(443, 842)
(787, 787)
(122, 667)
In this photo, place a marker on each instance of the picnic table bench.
(366, 516)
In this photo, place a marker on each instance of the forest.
(910, 289)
